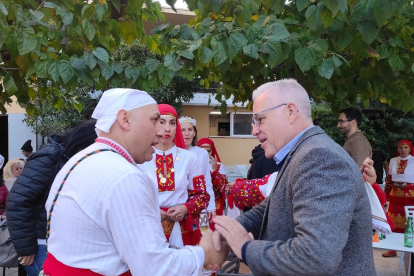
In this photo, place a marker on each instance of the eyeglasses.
(258, 121)
(342, 121)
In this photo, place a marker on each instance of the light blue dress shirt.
(285, 150)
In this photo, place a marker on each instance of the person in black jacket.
(25, 208)
(261, 166)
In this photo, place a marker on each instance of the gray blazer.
(317, 219)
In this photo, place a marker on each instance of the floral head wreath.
(186, 119)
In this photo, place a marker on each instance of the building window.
(232, 124)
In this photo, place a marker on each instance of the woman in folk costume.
(400, 187)
(189, 130)
(218, 175)
(180, 181)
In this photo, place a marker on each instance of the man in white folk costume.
(104, 216)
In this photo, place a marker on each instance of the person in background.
(26, 213)
(400, 187)
(11, 171)
(4, 193)
(189, 130)
(261, 166)
(218, 176)
(180, 180)
(380, 164)
(356, 144)
(27, 149)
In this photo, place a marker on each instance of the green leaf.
(206, 55)
(100, 11)
(132, 72)
(397, 41)
(66, 71)
(412, 67)
(186, 53)
(90, 60)
(41, 69)
(67, 16)
(107, 70)
(333, 6)
(53, 71)
(171, 62)
(165, 75)
(3, 8)
(276, 53)
(302, 4)
(119, 68)
(369, 31)
(235, 42)
(117, 4)
(326, 16)
(344, 39)
(26, 40)
(78, 106)
(306, 57)
(313, 18)
(382, 11)
(49, 5)
(78, 63)
(101, 54)
(171, 3)
(135, 6)
(396, 63)
(243, 16)
(326, 68)
(336, 61)
(251, 51)
(220, 53)
(152, 64)
(88, 29)
(9, 84)
(276, 32)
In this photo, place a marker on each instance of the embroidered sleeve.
(388, 184)
(219, 182)
(198, 198)
(247, 193)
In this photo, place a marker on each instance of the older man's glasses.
(256, 120)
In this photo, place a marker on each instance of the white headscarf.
(117, 99)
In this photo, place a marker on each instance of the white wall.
(19, 133)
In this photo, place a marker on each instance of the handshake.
(229, 235)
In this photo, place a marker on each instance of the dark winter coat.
(26, 213)
(261, 166)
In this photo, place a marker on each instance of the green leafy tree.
(339, 50)
(48, 47)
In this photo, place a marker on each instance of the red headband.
(208, 141)
(409, 144)
(166, 109)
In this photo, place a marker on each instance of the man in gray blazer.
(317, 219)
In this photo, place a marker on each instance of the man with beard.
(356, 144)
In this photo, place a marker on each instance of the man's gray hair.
(284, 91)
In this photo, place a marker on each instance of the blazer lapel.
(311, 132)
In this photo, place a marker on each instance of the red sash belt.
(52, 267)
(190, 236)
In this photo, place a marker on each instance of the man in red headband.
(400, 186)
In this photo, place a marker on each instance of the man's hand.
(211, 215)
(368, 172)
(213, 258)
(26, 260)
(233, 232)
(177, 213)
(164, 215)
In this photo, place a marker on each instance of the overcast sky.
(180, 4)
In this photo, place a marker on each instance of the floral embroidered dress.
(180, 181)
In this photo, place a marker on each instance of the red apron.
(399, 197)
(190, 236)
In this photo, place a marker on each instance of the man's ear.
(293, 111)
(123, 119)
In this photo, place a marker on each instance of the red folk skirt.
(190, 236)
(399, 197)
(52, 267)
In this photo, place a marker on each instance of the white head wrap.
(186, 119)
(117, 99)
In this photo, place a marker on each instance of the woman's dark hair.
(194, 142)
(78, 138)
(1, 180)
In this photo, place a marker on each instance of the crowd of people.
(122, 193)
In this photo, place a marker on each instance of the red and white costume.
(249, 193)
(106, 219)
(400, 187)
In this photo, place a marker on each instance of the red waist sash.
(52, 267)
(190, 236)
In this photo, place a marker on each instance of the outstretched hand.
(368, 172)
(233, 232)
(213, 258)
